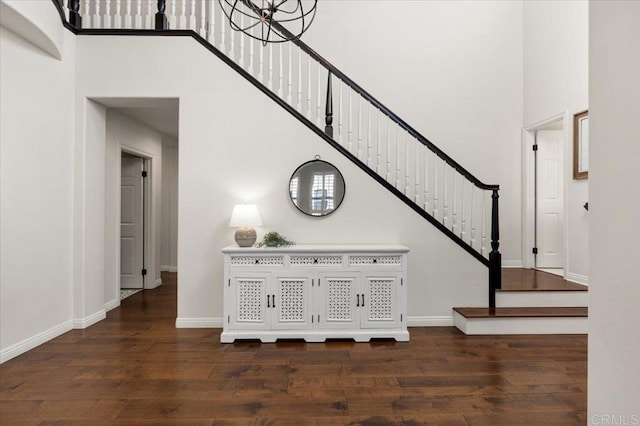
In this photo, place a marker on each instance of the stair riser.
(503, 326)
(528, 299)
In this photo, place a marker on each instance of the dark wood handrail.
(362, 92)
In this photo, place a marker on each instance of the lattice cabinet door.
(337, 302)
(249, 301)
(291, 303)
(380, 301)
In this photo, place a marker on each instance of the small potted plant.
(273, 239)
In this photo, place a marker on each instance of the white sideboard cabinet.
(315, 292)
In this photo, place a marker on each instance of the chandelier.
(270, 21)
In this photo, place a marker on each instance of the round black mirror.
(317, 188)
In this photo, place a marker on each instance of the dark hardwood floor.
(518, 279)
(137, 368)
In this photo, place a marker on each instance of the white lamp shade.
(245, 215)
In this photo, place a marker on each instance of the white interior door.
(131, 223)
(549, 200)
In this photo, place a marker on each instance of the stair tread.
(517, 279)
(533, 312)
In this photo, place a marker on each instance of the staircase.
(530, 302)
(330, 104)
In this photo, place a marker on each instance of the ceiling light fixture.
(277, 21)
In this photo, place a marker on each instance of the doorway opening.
(545, 196)
(133, 230)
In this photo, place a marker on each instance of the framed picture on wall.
(581, 145)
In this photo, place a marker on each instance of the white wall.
(452, 70)
(223, 161)
(614, 317)
(169, 233)
(36, 189)
(556, 80)
(126, 134)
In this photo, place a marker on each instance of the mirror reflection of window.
(293, 190)
(322, 193)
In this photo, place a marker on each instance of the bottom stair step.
(526, 320)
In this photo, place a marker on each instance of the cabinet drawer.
(323, 260)
(375, 260)
(257, 260)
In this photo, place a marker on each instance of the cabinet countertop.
(320, 248)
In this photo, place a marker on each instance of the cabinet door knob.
(363, 300)
(273, 300)
(268, 305)
(357, 300)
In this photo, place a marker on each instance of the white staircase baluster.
(406, 164)
(340, 112)
(117, 17)
(445, 197)
(290, 76)
(232, 45)
(127, 15)
(270, 82)
(251, 42)
(319, 97)
(211, 28)
(350, 122)
(463, 217)
(280, 73)
(173, 20)
(106, 20)
(85, 12)
(417, 181)
(203, 19)
(182, 21)
(261, 63)
(242, 37)
(149, 22)
(473, 217)
(454, 204)
(435, 187)
(308, 86)
(299, 105)
(398, 174)
(222, 33)
(484, 222)
(96, 15)
(368, 134)
(426, 180)
(359, 127)
(192, 17)
(379, 144)
(137, 22)
(388, 175)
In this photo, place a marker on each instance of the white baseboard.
(577, 278)
(30, 343)
(512, 264)
(166, 268)
(90, 320)
(151, 285)
(431, 321)
(198, 322)
(112, 304)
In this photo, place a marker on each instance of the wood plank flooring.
(517, 279)
(136, 368)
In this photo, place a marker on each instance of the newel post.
(495, 258)
(329, 109)
(161, 18)
(74, 16)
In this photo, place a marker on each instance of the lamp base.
(245, 237)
